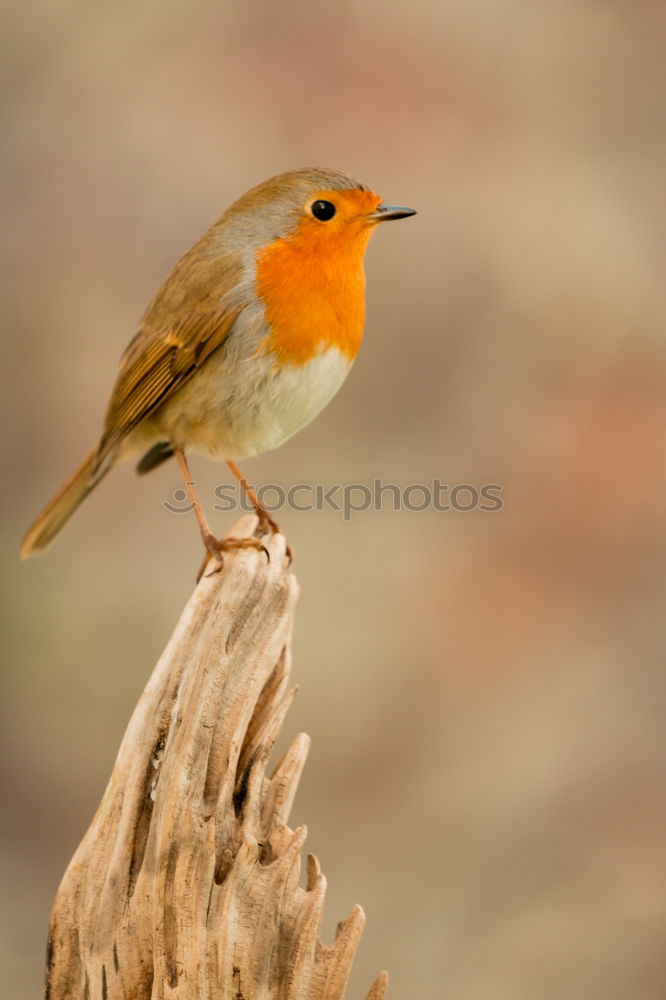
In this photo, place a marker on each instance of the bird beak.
(383, 213)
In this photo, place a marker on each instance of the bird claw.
(268, 525)
(216, 546)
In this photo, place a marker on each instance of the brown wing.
(189, 318)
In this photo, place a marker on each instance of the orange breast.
(312, 285)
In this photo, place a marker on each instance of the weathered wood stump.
(186, 884)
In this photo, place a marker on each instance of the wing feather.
(190, 317)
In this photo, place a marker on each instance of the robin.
(249, 337)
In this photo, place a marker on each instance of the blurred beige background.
(485, 692)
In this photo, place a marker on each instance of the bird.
(248, 338)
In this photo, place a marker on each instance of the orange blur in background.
(485, 690)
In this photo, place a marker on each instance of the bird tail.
(58, 511)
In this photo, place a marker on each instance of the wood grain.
(186, 884)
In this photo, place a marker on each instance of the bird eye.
(323, 210)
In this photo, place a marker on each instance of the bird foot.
(215, 547)
(269, 526)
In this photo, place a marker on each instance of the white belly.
(295, 396)
(250, 408)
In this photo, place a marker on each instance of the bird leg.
(265, 520)
(214, 546)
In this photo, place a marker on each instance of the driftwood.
(186, 884)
